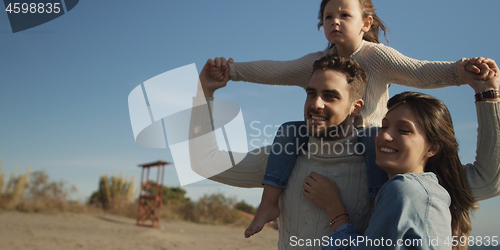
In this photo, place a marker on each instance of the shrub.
(14, 190)
(172, 195)
(33, 192)
(210, 209)
(243, 206)
(115, 194)
(218, 209)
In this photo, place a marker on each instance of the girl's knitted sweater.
(384, 66)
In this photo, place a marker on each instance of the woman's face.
(401, 144)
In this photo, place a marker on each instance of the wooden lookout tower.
(150, 196)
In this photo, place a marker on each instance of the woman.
(426, 191)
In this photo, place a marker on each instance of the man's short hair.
(355, 75)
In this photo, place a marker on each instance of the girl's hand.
(479, 85)
(480, 67)
(325, 193)
(218, 67)
(208, 84)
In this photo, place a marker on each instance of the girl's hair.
(368, 9)
(434, 117)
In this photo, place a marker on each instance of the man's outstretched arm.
(206, 157)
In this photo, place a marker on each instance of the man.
(333, 98)
(331, 105)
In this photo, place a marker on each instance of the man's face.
(327, 105)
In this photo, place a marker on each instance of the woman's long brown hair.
(434, 117)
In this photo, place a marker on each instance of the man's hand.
(219, 66)
(209, 84)
(490, 81)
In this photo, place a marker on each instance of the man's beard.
(332, 131)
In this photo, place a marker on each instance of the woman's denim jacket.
(411, 212)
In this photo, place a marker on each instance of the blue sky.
(64, 84)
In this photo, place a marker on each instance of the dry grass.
(210, 209)
(33, 192)
(115, 195)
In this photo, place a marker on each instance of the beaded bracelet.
(346, 216)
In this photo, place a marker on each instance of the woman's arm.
(483, 176)
(404, 208)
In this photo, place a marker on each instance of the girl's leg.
(290, 138)
(268, 210)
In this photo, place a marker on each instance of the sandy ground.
(90, 231)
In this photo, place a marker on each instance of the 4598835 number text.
(33, 8)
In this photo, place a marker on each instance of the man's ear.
(357, 105)
(368, 24)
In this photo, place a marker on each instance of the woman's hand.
(325, 193)
(490, 80)
(481, 70)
